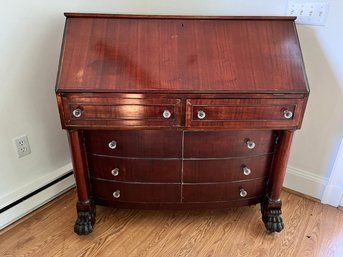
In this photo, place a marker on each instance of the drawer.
(136, 192)
(134, 170)
(134, 143)
(226, 144)
(199, 171)
(245, 113)
(221, 192)
(82, 111)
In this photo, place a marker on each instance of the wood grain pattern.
(131, 143)
(137, 192)
(218, 170)
(180, 55)
(312, 229)
(197, 144)
(222, 192)
(245, 113)
(135, 170)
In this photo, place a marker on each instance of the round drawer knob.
(112, 144)
(115, 172)
(77, 113)
(287, 114)
(201, 115)
(246, 171)
(243, 193)
(116, 194)
(166, 114)
(251, 144)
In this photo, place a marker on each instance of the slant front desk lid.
(181, 54)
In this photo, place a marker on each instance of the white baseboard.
(305, 182)
(332, 195)
(18, 211)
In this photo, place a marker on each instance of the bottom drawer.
(221, 192)
(136, 192)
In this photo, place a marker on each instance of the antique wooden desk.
(180, 112)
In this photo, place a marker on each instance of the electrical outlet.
(312, 12)
(22, 146)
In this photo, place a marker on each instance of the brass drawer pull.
(112, 144)
(243, 193)
(115, 172)
(201, 115)
(287, 114)
(116, 194)
(166, 114)
(250, 144)
(246, 171)
(77, 113)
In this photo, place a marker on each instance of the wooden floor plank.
(312, 229)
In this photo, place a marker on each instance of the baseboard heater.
(22, 199)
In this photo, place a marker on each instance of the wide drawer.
(80, 110)
(226, 144)
(244, 113)
(221, 192)
(135, 143)
(199, 171)
(136, 192)
(134, 170)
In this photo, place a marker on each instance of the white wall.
(30, 39)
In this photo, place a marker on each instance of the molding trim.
(23, 208)
(334, 190)
(305, 182)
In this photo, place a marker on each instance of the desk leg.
(271, 206)
(85, 206)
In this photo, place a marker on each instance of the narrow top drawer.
(245, 113)
(104, 112)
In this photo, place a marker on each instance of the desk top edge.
(168, 16)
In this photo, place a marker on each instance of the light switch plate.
(313, 12)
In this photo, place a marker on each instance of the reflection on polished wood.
(312, 229)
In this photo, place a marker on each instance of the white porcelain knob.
(201, 115)
(243, 193)
(166, 114)
(116, 194)
(77, 113)
(115, 172)
(287, 114)
(246, 171)
(112, 144)
(251, 144)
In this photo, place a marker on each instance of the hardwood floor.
(312, 229)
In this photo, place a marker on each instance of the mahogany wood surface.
(226, 144)
(180, 55)
(79, 165)
(137, 192)
(132, 143)
(279, 165)
(219, 170)
(245, 113)
(222, 192)
(135, 170)
(141, 83)
(180, 205)
(106, 111)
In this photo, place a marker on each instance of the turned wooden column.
(271, 206)
(279, 165)
(85, 206)
(79, 165)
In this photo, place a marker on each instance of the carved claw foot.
(85, 217)
(273, 221)
(84, 223)
(271, 215)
